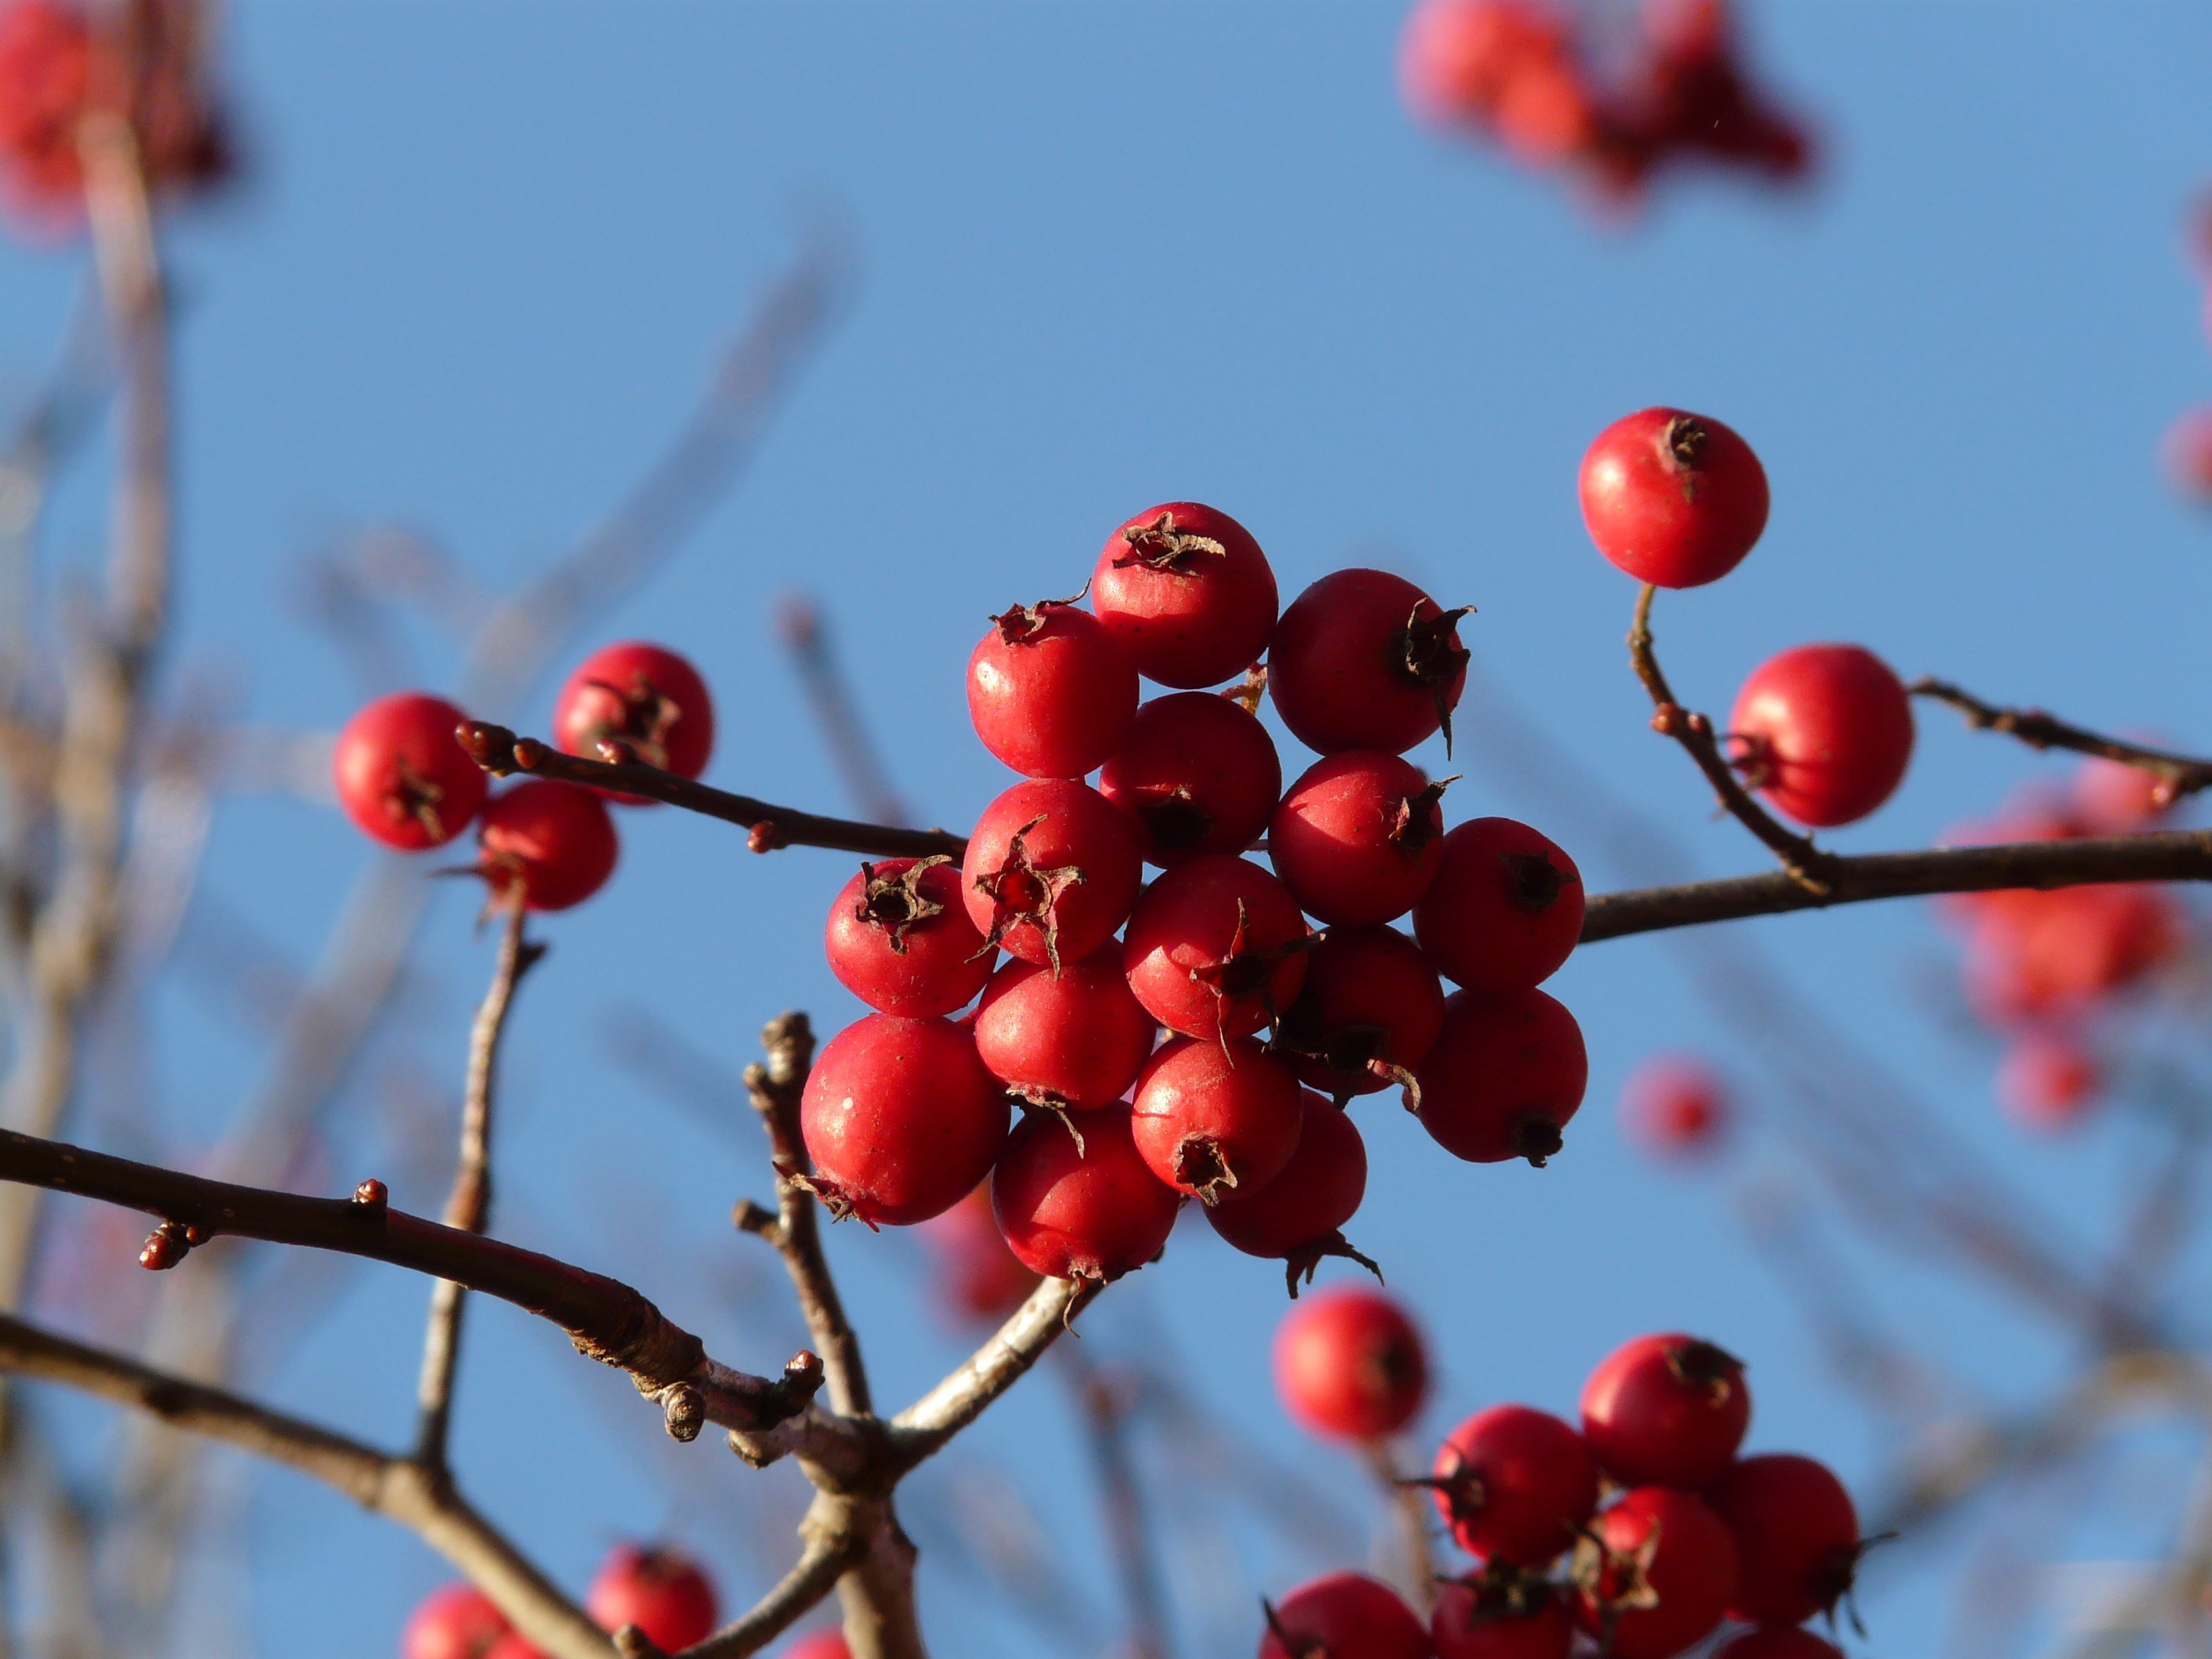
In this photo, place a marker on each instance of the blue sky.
(1116, 254)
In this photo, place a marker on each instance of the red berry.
(1347, 1615)
(1051, 871)
(1797, 1537)
(1076, 1038)
(1092, 1211)
(2047, 1082)
(1675, 1107)
(977, 1275)
(48, 65)
(822, 1644)
(901, 1119)
(1212, 1117)
(1826, 733)
(1778, 1642)
(401, 774)
(1298, 1216)
(1358, 837)
(899, 939)
(1198, 772)
(553, 841)
(1503, 1077)
(1457, 58)
(2036, 955)
(1658, 1573)
(2187, 451)
(1365, 660)
(1515, 1484)
(1673, 498)
(1187, 592)
(644, 697)
(1665, 1410)
(456, 1621)
(1050, 691)
(664, 1593)
(1350, 1365)
(514, 1645)
(1215, 948)
(1505, 909)
(1502, 1612)
(2115, 799)
(1368, 1013)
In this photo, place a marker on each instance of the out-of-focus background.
(486, 257)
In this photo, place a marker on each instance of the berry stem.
(2181, 775)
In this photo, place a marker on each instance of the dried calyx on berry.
(1159, 545)
(1020, 624)
(1426, 653)
(1019, 891)
(1707, 1365)
(896, 903)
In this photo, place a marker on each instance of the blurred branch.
(799, 624)
(1105, 1402)
(1006, 1356)
(2183, 774)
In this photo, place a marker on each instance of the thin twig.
(1006, 1356)
(1412, 1509)
(831, 1549)
(2180, 774)
(799, 624)
(1106, 1404)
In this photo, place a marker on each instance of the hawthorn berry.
(1797, 1537)
(1050, 691)
(1500, 1612)
(1503, 1077)
(2047, 1081)
(976, 1274)
(645, 698)
(1825, 733)
(1505, 911)
(1351, 1366)
(402, 775)
(1298, 1217)
(1459, 59)
(1346, 1615)
(1200, 772)
(822, 1644)
(1076, 1038)
(454, 1621)
(1189, 593)
(553, 842)
(1092, 1211)
(2036, 955)
(1777, 1642)
(2114, 798)
(1515, 1484)
(899, 938)
(1655, 1575)
(901, 1118)
(1358, 837)
(1213, 1117)
(1675, 1107)
(1365, 660)
(514, 1645)
(1673, 498)
(1051, 870)
(1216, 948)
(661, 1592)
(2186, 451)
(1369, 1012)
(1665, 1410)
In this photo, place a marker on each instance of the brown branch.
(832, 1549)
(2182, 774)
(500, 752)
(799, 624)
(1107, 1404)
(1009, 1352)
(2169, 855)
(1412, 1509)
(469, 1207)
(1811, 867)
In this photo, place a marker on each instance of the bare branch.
(1107, 1404)
(923, 1427)
(799, 624)
(2181, 774)
(832, 1548)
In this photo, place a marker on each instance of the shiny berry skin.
(664, 1593)
(1505, 909)
(899, 939)
(1777, 1642)
(403, 777)
(1503, 1077)
(455, 1621)
(1077, 1038)
(646, 698)
(1515, 1484)
(1674, 1107)
(1096, 1212)
(1365, 660)
(1213, 1117)
(2047, 1082)
(976, 1276)
(1665, 1410)
(1215, 947)
(1198, 772)
(1824, 732)
(1298, 1217)
(1347, 1615)
(1797, 1537)
(822, 1644)
(554, 842)
(1350, 1365)
(1665, 1547)
(1358, 837)
(1673, 498)
(1369, 1012)
(901, 1119)
(1051, 870)
(1187, 592)
(1050, 691)
(1501, 1612)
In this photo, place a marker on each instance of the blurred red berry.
(2187, 452)
(1657, 1574)
(1500, 1612)
(822, 1644)
(2047, 1082)
(455, 1621)
(979, 1277)
(1351, 1366)
(553, 842)
(1665, 1410)
(1674, 1107)
(646, 698)
(1189, 593)
(1826, 733)
(1515, 1484)
(2114, 798)
(664, 1593)
(1796, 1536)
(1346, 1615)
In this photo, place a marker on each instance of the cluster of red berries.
(664, 1593)
(1521, 72)
(403, 776)
(1644, 1528)
(59, 64)
(1271, 1023)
